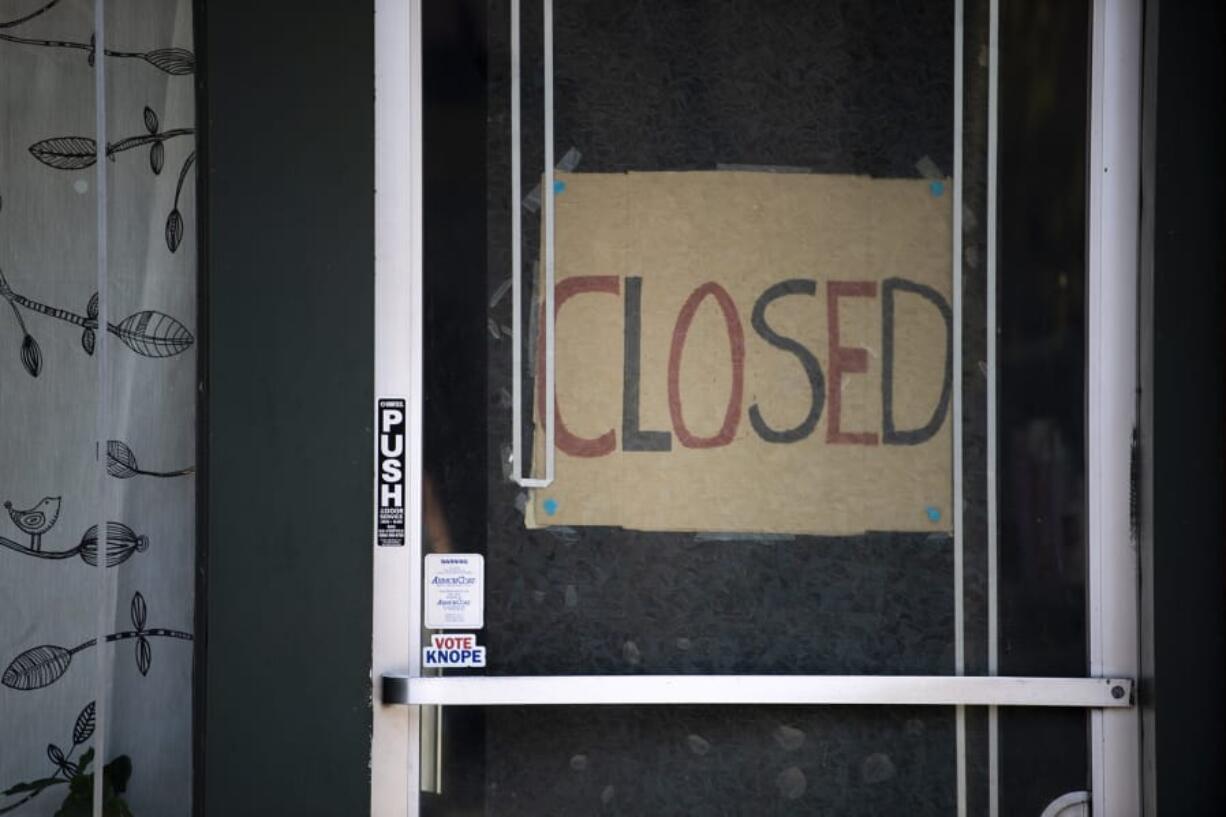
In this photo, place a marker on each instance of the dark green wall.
(289, 215)
(1189, 568)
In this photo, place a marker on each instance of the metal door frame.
(1112, 266)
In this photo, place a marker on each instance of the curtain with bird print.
(98, 389)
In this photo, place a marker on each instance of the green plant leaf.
(115, 777)
(34, 786)
(119, 772)
(80, 799)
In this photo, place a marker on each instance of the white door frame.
(395, 757)
(1112, 259)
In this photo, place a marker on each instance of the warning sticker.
(389, 514)
(455, 591)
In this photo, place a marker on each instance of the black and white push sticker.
(389, 519)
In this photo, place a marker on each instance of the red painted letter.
(844, 360)
(736, 344)
(567, 442)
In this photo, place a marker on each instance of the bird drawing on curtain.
(37, 520)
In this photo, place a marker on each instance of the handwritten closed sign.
(750, 352)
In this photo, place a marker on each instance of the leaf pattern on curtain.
(54, 475)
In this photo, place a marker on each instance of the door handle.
(432, 749)
(875, 690)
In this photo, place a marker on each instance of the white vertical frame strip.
(1113, 266)
(992, 498)
(517, 255)
(102, 417)
(548, 196)
(959, 534)
(396, 614)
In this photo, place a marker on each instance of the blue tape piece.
(937, 189)
(559, 186)
(934, 515)
(551, 506)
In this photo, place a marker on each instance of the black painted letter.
(813, 370)
(634, 438)
(890, 434)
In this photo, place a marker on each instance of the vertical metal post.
(396, 622)
(1113, 267)
(956, 287)
(992, 430)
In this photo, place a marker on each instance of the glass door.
(755, 400)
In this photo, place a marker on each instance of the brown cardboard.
(744, 233)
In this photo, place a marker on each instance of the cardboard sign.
(750, 352)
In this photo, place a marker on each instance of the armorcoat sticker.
(389, 516)
(455, 591)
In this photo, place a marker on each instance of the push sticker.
(389, 517)
(455, 591)
(453, 650)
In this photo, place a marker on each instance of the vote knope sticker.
(453, 650)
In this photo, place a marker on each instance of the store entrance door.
(755, 398)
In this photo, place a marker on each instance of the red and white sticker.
(453, 650)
